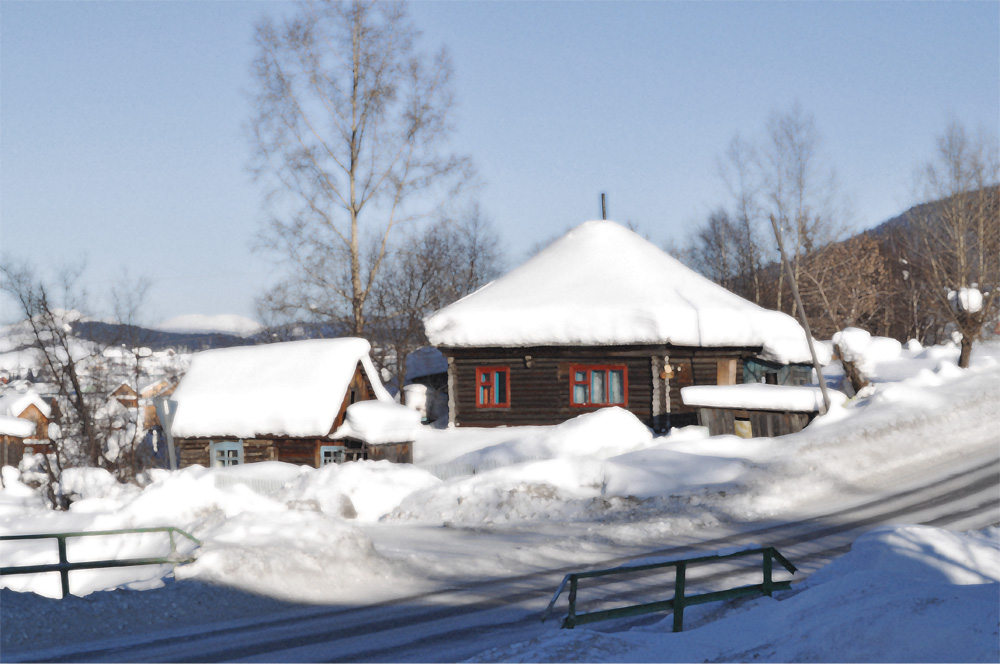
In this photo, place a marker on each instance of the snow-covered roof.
(13, 403)
(294, 388)
(379, 422)
(16, 427)
(757, 396)
(601, 284)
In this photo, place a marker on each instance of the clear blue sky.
(122, 140)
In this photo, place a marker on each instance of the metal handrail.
(680, 600)
(64, 567)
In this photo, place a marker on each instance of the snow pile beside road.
(903, 594)
(269, 527)
(598, 435)
(364, 491)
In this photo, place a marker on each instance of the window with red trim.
(598, 385)
(493, 387)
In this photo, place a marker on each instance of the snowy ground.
(490, 503)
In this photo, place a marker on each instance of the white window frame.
(218, 453)
(338, 454)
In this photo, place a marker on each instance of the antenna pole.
(604, 209)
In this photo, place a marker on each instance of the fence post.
(570, 621)
(679, 597)
(768, 560)
(63, 573)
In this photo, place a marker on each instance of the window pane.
(616, 386)
(484, 395)
(579, 394)
(500, 387)
(485, 378)
(581, 376)
(597, 386)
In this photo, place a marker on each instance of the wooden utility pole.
(802, 314)
(604, 209)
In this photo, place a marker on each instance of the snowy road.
(466, 619)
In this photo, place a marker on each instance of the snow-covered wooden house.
(276, 402)
(24, 424)
(29, 405)
(600, 318)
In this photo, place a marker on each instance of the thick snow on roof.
(13, 404)
(294, 388)
(602, 284)
(379, 422)
(15, 426)
(756, 396)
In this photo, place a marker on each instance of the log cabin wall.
(763, 423)
(195, 451)
(540, 381)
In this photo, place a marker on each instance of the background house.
(603, 317)
(276, 402)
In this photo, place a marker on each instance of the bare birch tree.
(797, 190)
(955, 243)
(740, 170)
(350, 129)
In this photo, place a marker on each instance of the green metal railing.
(64, 567)
(680, 600)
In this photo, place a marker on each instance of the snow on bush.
(966, 299)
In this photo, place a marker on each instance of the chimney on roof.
(604, 209)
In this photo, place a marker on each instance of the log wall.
(540, 381)
(763, 423)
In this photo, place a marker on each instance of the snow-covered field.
(491, 503)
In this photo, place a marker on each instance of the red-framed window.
(492, 387)
(598, 385)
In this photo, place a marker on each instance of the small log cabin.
(32, 407)
(602, 318)
(275, 402)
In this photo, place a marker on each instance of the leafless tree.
(716, 251)
(798, 190)
(426, 271)
(740, 170)
(955, 243)
(350, 128)
(782, 175)
(90, 428)
(845, 284)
